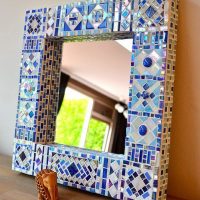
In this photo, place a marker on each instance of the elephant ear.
(44, 176)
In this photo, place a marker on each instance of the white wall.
(12, 13)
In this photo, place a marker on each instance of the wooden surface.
(17, 186)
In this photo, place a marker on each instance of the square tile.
(23, 158)
(73, 18)
(144, 130)
(150, 40)
(137, 183)
(151, 62)
(35, 22)
(29, 88)
(146, 96)
(26, 116)
(150, 14)
(31, 64)
(97, 16)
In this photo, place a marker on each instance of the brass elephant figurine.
(46, 182)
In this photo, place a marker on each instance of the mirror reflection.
(92, 110)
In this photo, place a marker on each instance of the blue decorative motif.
(97, 16)
(31, 63)
(35, 22)
(26, 114)
(23, 158)
(142, 155)
(29, 89)
(142, 130)
(147, 62)
(34, 25)
(137, 183)
(73, 169)
(150, 11)
(151, 14)
(41, 153)
(73, 20)
(145, 96)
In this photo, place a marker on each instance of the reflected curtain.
(119, 134)
(64, 80)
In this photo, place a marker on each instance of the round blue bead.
(147, 62)
(142, 130)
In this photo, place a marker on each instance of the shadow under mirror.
(93, 98)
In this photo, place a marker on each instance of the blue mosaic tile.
(150, 14)
(41, 157)
(151, 62)
(123, 15)
(35, 22)
(114, 177)
(51, 22)
(85, 18)
(97, 16)
(22, 158)
(25, 133)
(76, 170)
(141, 155)
(31, 64)
(137, 183)
(33, 44)
(144, 130)
(150, 40)
(29, 88)
(146, 96)
(26, 116)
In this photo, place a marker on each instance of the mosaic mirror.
(92, 110)
(141, 171)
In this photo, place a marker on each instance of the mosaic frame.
(142, 173)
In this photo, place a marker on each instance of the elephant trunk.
(52, 193)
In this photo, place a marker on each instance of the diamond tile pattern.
(150, 13)
(29, 88)
(76, 170)
(97, 16)
(31, 63)
(23, 158)
(35, 22)
(157, 57)
(137, 183)
(145, 96)
(114, 179)
(41, 153)
(26, 113)
(153, 135)
(85, 18)
(51, 23)
(123, 15)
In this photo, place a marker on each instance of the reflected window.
(83, 122)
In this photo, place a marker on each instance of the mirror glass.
(93, 96)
